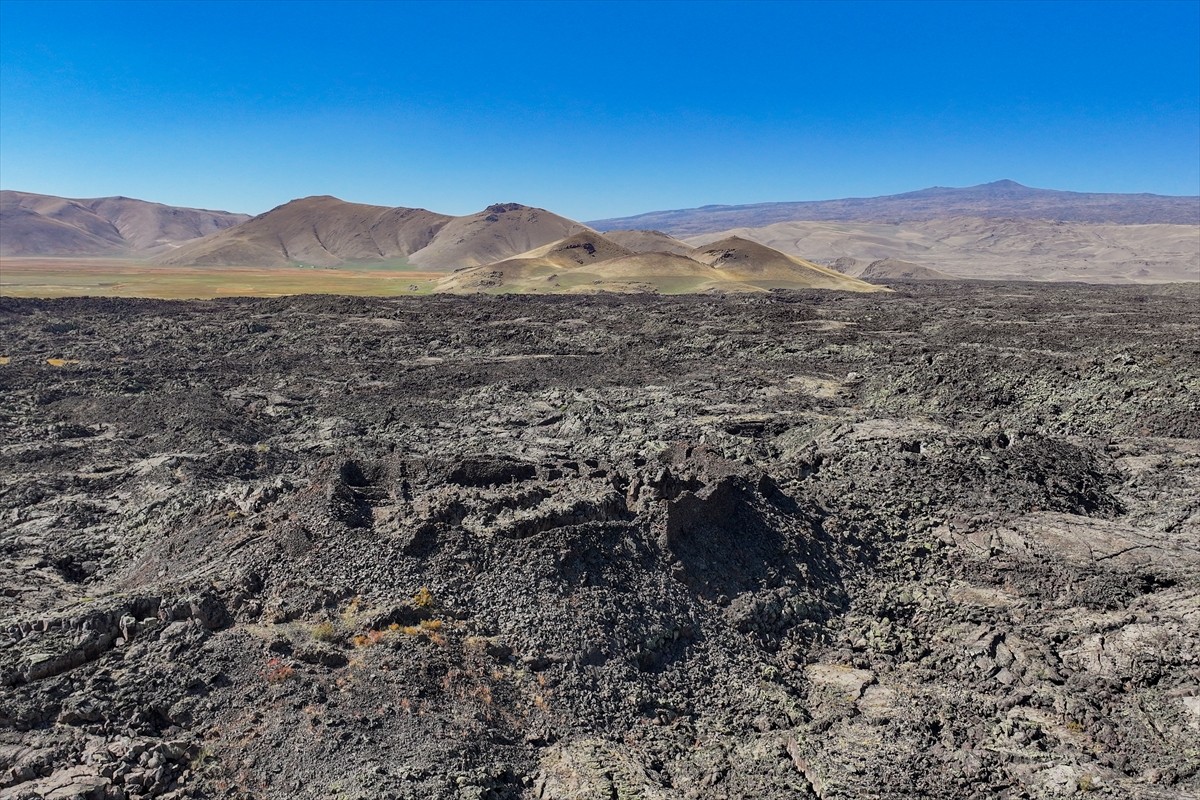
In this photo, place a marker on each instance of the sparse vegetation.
(278, 672)
(368, 639)
(114, 278)
(423, 598)
(673, 561)
(350, 612)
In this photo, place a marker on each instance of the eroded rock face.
(942, 543)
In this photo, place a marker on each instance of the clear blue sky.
(593, 109)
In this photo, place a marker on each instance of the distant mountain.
(590, 262)
(745, 260)
(513, 247)
(315, 231)
(980, 248)
(580, 249)
(44, 225)
(1001, 199)
(649, 242)
(498, 232)
(889, 269)
(324, 231)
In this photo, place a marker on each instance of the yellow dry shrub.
(351, 611)
(368, 639)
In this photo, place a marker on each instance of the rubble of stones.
(940, 542)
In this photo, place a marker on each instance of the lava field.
(941, 542)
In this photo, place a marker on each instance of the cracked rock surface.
(943, 542)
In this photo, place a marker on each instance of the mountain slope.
(894, 269)
(538, 269)
(744, 260)
(45, 225)
(24, 232)
(498, 232)
(148, 225)
(585, 247)
(998, 199)
(317, 231)
(633, 272)
(972, 247)
(649, 242)
(588, 262)
(324, 231)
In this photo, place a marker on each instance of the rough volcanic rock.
(943, 542)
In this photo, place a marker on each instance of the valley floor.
(102, 277)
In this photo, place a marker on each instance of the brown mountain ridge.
(998, 199)
(45, 225)
(318, 231)
(589, 262)
(324, 231)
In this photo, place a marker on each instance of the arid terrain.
(43, 225)
(992, 249)
(937, 542)
(1003, 199)
(54, 247)
(114, 277)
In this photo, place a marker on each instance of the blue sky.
(593, 109)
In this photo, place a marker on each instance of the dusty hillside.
(650, 265)
(146, 226)
(938, 543)
(320, 231)
(26, 232)
(649, 242)
(498, 232)
(632, 272)
(538, 270)
(889, 269)
(589, 262)
(1000, 199)
(325, 231)
(44, 225)
(580, 249)
(745, 260)
(997, 248)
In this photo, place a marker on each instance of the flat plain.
(116, 277)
